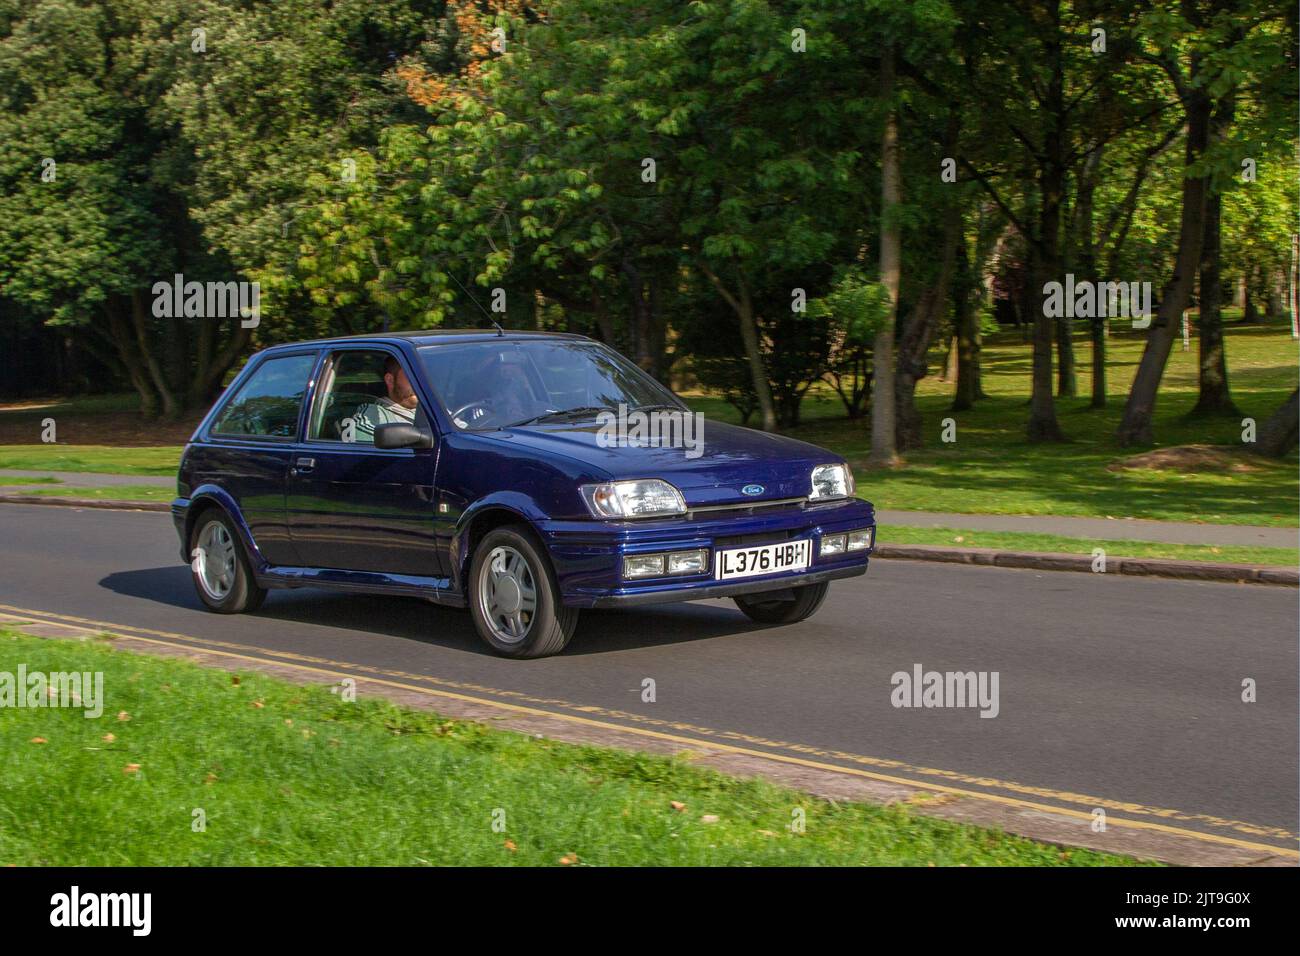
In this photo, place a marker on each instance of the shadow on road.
(599, 631)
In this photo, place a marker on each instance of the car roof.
(420, 337)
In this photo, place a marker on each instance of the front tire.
(219, 567)
(514, 599)
(776, 607)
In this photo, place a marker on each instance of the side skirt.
(438, 590)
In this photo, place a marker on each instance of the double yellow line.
(708, 737)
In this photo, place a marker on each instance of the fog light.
(860, 540)
(688, 562)
(832, 544)
(643, 565)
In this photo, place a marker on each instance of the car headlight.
(831, 481)
(633, 499)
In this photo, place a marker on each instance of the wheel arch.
(210, 497)
(475, 525)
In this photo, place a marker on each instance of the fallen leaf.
(258, 704)
(568, 859)
(677, 805)
(108, 738)
(210, 778)
(767, 833)
(123, 715)
(39, 740)
(234, 679)
(131, 768)
(510, 845)
(709, 818)
(288, 721)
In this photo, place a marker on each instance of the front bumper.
(721, 589)
(588, 555)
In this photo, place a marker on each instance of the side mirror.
(402, 435)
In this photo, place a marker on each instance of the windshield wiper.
(557, 415)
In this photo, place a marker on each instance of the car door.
(248, 446)
(352, 506)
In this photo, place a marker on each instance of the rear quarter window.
(267, 405)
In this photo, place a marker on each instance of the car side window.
(267, 405)
(354, 397)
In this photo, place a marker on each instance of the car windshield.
(487, 385)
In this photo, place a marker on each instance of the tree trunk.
(966, 320)
(754, 352)
(883, 448)
(170, 407)
(918, 330)
(1088, 272)
(1215, 398)
(119, 328)
(604, 321)
(1249, 311)
(743, 306)
(1279, 434)
(1135, 427)
(1067, 380)
(1045, 257)
(647, 337)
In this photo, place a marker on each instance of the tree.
(1050, 99)
(1203, 47)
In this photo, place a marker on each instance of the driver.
(399, 405)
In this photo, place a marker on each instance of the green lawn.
(992, 469)
(291, 775)
(156, 460)
(1016, 541)
(112, 493)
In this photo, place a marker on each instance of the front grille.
(750, 507)
(759, 539)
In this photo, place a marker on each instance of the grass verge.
(152, 460)
(109, 493)
(1017, 541)
(294, 775)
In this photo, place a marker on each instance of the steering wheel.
(484, 404)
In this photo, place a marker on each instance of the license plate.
(763, 559)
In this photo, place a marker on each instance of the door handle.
(303, 465)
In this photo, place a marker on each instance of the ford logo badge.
(752, 490)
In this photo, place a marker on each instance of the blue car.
(524, 475)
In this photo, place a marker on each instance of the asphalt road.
(1116, 688)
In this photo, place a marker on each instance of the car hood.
(729, 459)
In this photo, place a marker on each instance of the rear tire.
(514, 599)
(219, 566)
(774, 607)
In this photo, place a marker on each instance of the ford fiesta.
(483, 469)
